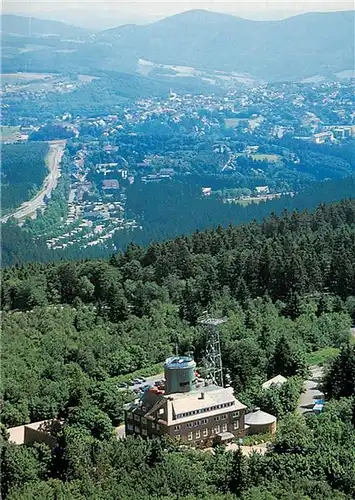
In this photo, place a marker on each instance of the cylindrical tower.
(179, 374)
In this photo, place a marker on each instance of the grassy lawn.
(8, 132)
(322, 355)
(144, 372)
(260, 157)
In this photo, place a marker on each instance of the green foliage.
(73, 330)
(293, 435)
(287, 360)
(339, 380)
(282, 400)
(23, 171)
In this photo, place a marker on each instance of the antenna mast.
(213, 349)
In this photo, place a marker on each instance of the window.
(205, 420)
(198, 434)
(158, 427)
(144, 420)
(216, 419)
(223, 417)
(129, 414)
(224, 428)
(144, 432)
(130, 427)
(137, 418)
(153, 425)
(177, 427)
(217, 429)
(236, 425)
(205, 432)
(161, 411)
(236, 414)
(137, 429)
(197, 423)
(189, 424)
(189, 436)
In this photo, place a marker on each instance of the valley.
(177, 297)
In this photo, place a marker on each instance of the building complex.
(196, 412)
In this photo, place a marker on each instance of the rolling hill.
(296, 48)
(25, 26)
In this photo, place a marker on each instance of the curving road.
(29, 208)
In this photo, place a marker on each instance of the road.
(29, 208)
(312, 393)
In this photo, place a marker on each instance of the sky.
(96, 14)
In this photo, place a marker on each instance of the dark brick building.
(197, 414)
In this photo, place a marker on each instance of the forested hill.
(295, 253)
(178, 209)
(72, 330)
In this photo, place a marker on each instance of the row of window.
(137, 429)
(203, 410)
(204, 421)
(197, 423)
(142, 430)
(215, 430)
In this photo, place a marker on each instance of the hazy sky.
(102, 14)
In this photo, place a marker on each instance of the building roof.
(179, 362)
(275, 381)
(224, 436)
(184, 407)
(259, 417)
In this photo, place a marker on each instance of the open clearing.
(8, 133)
(27, 76)
(252, 199)
(260, 156)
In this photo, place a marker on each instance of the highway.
(29, 208)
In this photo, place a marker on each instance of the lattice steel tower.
(213, 349)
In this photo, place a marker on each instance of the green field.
(261, 156)
(7, 133)
(322, 356)
(234, 122)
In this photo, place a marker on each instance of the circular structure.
(260, 422)
(179, 374)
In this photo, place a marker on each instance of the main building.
(196, 413)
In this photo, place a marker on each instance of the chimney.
(202, 396)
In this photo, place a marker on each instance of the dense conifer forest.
(22, 172)
(73, 330)
(178, 209)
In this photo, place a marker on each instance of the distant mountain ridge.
(293, 48)
(12, 24)
(296, 48)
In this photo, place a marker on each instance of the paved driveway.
(312, 393)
